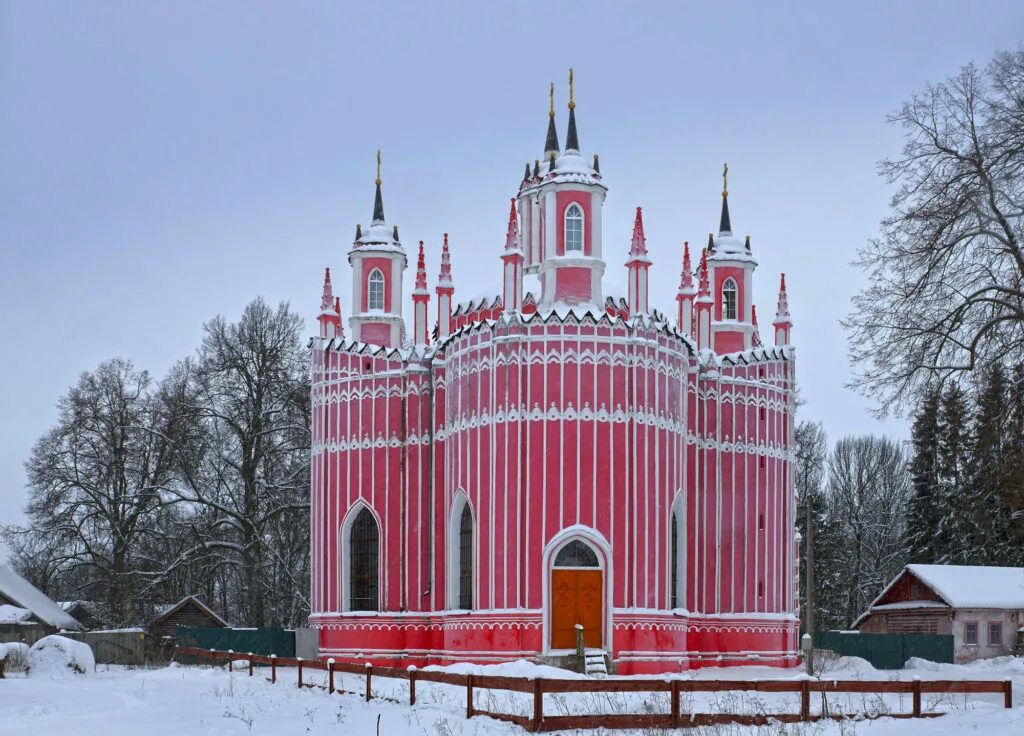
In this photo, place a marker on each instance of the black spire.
(724, 225)
(378, 202)
(551, 144)
(536, 168)
(527, 174)
(551, 164)
(746, 244)
(711, 242)
(597, 164)
(359, 232)
(394, 233)
(572, 141)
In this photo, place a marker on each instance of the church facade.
(554, 456)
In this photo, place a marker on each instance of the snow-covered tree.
(946, 274)
(869, 491)
(95, 483)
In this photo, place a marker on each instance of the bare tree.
(947, 272)
(869, 490)
(245, 467)
(95, 482)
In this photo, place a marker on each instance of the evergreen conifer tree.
(925, 512)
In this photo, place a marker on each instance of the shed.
(26, 613)
(189, 611)
(981, 607)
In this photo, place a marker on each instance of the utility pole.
(809, 613)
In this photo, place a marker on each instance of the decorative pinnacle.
(705, 289)
(421, 271)
(639, 243)
(686, 281)
(445, 279)
(782, 310)
(512, 234)
(572, 103)
(328, 295)
(753, 314)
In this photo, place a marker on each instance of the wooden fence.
(675, 718)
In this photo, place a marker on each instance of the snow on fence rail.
(675, 718)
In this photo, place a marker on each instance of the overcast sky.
(161, 163)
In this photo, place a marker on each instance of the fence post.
(805, 700)
(917, 697)
(1, 669)
(1007, 693)
(469, 696)
(213, 658)
(538, 704)
(299, 662)
(369, 674)
(231, 660)
(330, 676)
(250, 664)
(675, 704)
(412, 685)
(273, 668)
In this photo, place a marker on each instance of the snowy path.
(180, 700)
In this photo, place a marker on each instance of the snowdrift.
(58, 656)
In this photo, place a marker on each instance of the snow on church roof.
(25, 595)
(974, 586)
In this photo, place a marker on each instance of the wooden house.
(981, 607)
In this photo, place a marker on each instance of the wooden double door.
(577, 597)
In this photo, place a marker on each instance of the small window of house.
(573, 228)
(971, 633)
(729, 299)
(995, 634)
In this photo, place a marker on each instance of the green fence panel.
(258, 641)
(886, 651)
(932, 647)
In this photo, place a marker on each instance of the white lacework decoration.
(474, 421)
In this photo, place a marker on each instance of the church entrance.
(577, 597)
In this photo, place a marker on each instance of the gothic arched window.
(573, 228)
(363, 552)
(576, 554)
(729, 299)
(466, 559)
(673, 562)
(375, 290)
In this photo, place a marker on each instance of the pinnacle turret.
(704, 287)
(327, 300)
(512, 233)
(686, 278)
(421, 273)
(638, 246)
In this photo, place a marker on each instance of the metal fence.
(267, 640)
(887, 651)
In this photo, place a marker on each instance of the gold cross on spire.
(572, 104)
(378, 167)
(725, 180)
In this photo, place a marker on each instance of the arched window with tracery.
(576, 554)
(375, 290)
(363, 553)
(673, 562)
(466, 559)
(729, 299)
(573, 228)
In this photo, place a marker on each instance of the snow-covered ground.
(192, 700)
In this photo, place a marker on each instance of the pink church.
(555, 456)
